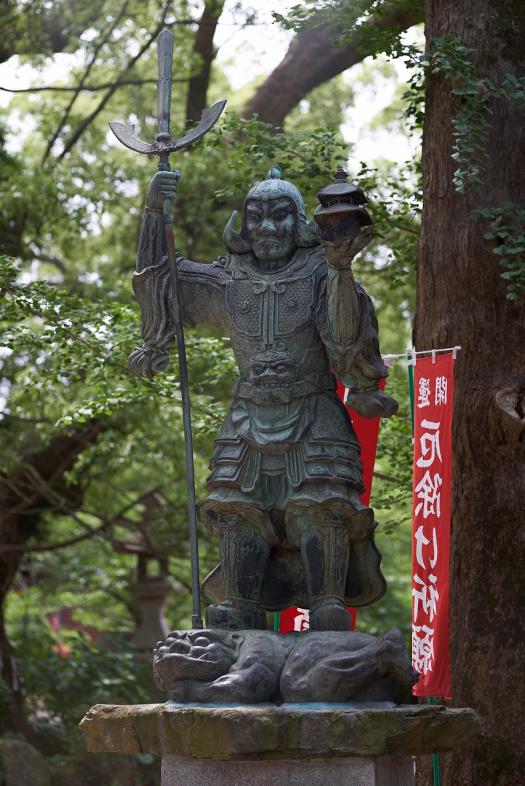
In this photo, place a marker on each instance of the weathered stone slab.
(270, 732)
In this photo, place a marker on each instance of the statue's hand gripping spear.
(162, 147)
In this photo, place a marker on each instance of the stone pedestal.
(290, 745)
(356, 771)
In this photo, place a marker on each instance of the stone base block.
(266, 732)
(354, 771)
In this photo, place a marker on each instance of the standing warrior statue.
(286, 473)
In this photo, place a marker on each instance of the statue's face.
(197, 654)
(270, 226)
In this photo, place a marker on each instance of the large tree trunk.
(461, 299)
(316, 55)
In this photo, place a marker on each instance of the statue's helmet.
(274, 187)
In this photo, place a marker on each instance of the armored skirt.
(274, 451)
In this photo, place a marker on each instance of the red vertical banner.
(367, 432)
(433, 400)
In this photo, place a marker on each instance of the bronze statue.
(286, 473)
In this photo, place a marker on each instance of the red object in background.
(299, 619)
(433, 400)
(63, 618)
(367, 432)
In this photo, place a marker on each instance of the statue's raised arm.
(202, 286)
(347, 320)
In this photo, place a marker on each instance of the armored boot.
(244, 555)
(325, 552)
(323, 538)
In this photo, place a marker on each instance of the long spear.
(163, 146)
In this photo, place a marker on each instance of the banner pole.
(435, 757)
(411, 360)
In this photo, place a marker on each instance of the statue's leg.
(327, 529)
(323, 538)
(245, 534)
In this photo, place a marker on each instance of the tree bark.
(37, 485)
(461, 299)
(315, 56)
(204, 49)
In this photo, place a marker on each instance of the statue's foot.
(230, 615)
(396, 659)
(329, 614)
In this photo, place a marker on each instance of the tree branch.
(89, 119)
(204, 52)
(30, 34)
(61, 506)
(315, 56)
(55, 546)
(17, 497)
(85, 88)
(101, 42)
(40, 256)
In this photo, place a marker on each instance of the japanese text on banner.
(433, 384)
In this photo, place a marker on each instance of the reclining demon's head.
(195, 655)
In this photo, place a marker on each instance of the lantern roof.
(340, 190)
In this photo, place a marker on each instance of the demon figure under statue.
(286, 473)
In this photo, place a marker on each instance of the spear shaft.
(165, 59)
(163, 146)
(196, 621)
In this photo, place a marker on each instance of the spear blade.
(165, 43)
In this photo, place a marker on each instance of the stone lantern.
(151, 590)
(342, 213)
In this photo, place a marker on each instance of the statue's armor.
(285, 418)
(286, 473)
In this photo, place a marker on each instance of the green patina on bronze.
(286, 473)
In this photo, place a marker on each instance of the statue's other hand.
(341, 253)
(372, 403)
(163, 186)
(148, 361)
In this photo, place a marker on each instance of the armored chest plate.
(270, 310)
(245, 304)
(294, 303)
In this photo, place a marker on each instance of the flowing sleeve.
(202, 297)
